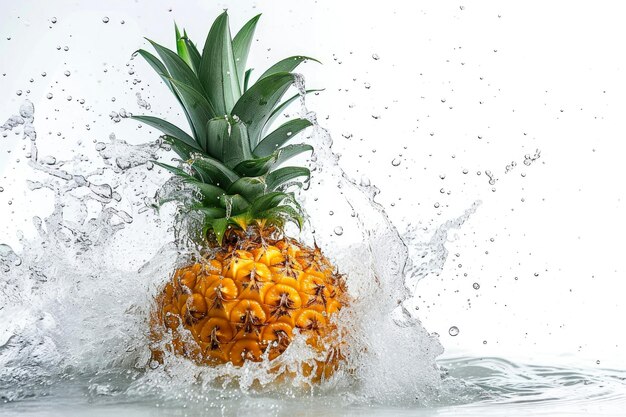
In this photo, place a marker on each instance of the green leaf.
(210, 212)
(178, 69)
(217, 131)
(174, 170)
(211, 194)
(249, 187)
(181, 48)
(214, 172)
(261, 166)
(287, 65)
(285, 212)
(194, 54)
(256, 105)
(181, 148)
(169, 129)
(268, 201)
(281, 108)
(281, 135)
(241, 48)
(287, 152)
(158, 67)
(218, 72)
(282, 175)
(198, 109)
(246, 79)
(162, 71)
(236, 148)
(234, 204)
(255, 167)
(219, 228)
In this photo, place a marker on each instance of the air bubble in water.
(395, 162)
(67, 73)
(105, 19)
(476, 285)
(454, 331)
(53, 20)
(338, 230)
(375, 57)
(49, 96)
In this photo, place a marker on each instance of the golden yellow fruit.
(247, 299)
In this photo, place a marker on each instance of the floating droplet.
(105, 19)
(49, 160)
(53, 20)
(454, 331)
(338, 230)
(396, 162)
(67, 73)
(49, 96)
(375, 57)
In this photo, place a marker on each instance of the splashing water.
(76, 298)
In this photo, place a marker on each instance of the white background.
(461, 85)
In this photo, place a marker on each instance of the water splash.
(82, 312)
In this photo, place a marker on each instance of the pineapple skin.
(248, 298)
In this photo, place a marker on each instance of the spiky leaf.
(280, 136)
(241, 48)
(198, 108)
(279, 177)
(286, 65)
(213, 171)
(257, 104)
(237, 146)
(169, 129)
(178, 69)
(281, 108)
(218, 72)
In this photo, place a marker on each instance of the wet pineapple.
(245, 302)
(253, 286)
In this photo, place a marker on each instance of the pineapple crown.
(229, 159)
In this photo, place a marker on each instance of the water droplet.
(476, 286)
(375, 57)
(454, 331)
(396, 162)
(105, 19)
(367, 85)
(67, 73)
(598, 362)
(436, 205)
(49, 96)
(66, 48)
(338, 230)
(53, 20)
(330, 213)
(18, 92)
(484, 342)
(43, 74)
(49, 160)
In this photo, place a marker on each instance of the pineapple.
(250, 288)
